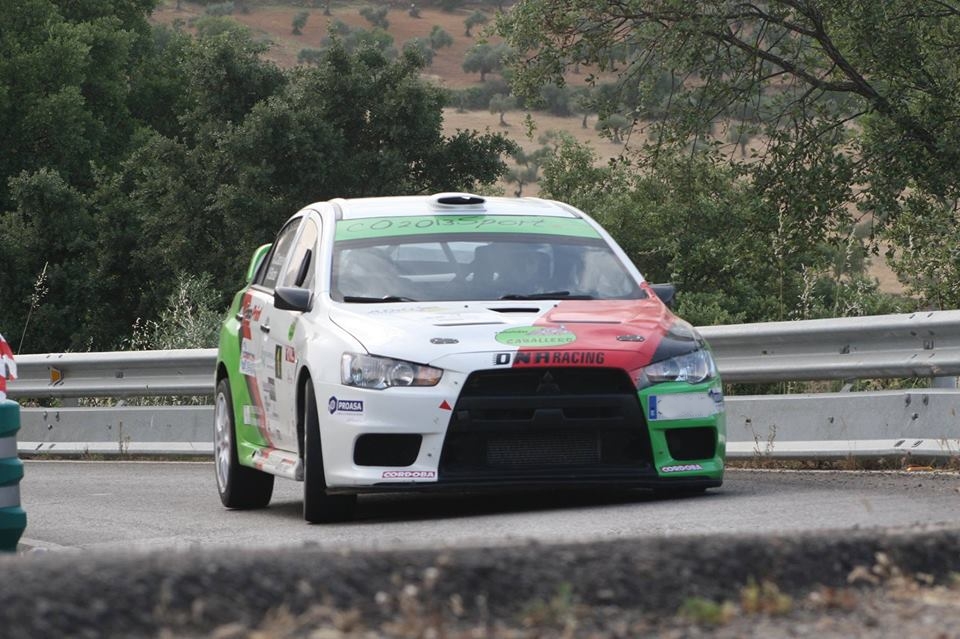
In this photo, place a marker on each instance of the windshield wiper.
(546, 296)
(359, 299)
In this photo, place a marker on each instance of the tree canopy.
(769, 148)
(144, 158)
(851, 106)
(64, 97)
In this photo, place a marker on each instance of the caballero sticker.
(536, 336)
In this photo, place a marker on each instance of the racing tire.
(319, 507)
(239, 486)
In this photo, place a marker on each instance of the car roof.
(450, 204)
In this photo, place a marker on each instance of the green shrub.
(220, 9)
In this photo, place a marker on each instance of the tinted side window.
(281, 248)
(303, 260)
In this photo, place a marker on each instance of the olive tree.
(851, 104)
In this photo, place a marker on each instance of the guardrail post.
(13, 520)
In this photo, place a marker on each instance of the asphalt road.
(160, 505)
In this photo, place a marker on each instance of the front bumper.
(500, 428)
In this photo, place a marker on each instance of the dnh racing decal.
(562, 358)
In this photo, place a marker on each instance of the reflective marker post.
(12, 517)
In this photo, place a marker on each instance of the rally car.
(456, 342)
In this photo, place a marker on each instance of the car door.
(257, 306)
(280, 339)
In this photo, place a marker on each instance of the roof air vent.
(458, 200)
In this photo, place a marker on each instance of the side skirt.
(282, 463)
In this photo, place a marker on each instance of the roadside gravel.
(877, 583)
(888, 612)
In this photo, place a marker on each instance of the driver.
(510, 269)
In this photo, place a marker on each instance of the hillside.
(273, 23)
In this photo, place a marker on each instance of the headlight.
(369, 371)
(693, 368)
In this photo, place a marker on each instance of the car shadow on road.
(409, 507)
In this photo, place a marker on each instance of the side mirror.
(290, 298)
(256, 260)
(665, 292)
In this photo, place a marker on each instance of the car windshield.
(383, 260)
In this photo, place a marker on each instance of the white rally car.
(456, 341)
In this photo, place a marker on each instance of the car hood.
(442, 333)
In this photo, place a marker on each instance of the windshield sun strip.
(375, 227)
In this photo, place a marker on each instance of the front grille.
(543, 423)
(554, 449)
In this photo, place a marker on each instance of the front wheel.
(239, 486)
(318, 506)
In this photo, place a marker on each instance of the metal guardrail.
(922, 422)
(879, 346)
(115, 374)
